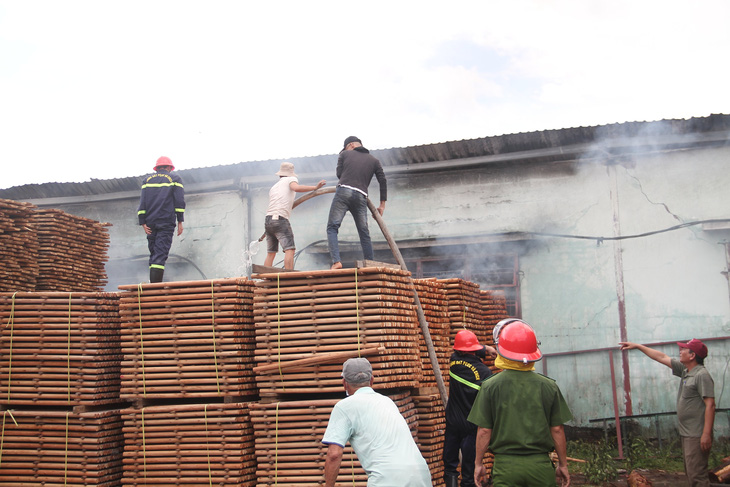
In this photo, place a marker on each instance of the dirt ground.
(658, 478)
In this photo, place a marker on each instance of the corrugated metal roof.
(397, 156)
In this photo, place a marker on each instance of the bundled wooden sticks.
(288, 442)
(494, 310)
(18, 246)
(59, 349)
(432, 295)
(195, 444)
(57, 448)
(72, 252)
(190, 339)
(431, 428)
(465, 310)
(320, 315)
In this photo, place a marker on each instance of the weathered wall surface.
(673, 288)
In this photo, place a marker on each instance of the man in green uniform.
(520, 415)
(695, 404)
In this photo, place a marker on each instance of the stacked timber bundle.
(18, 246)
(432, 295)
(194, 444)
(465, 308)
(72, 253)
(494, 309)
(191, 340)
(61, 448)
(431, 428)
(59, 349)
(309, 323)
(289, 445)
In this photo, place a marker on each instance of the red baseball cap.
(699, 348)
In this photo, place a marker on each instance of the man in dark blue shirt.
(355, 169)
(161, 203)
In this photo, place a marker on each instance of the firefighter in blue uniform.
(161, 204)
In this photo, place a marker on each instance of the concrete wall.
(672, 282)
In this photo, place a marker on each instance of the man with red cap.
(161, 203)
(466, 373)
(695, 404)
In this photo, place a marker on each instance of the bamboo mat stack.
(59, 349)
(72, 253)
(198, 444)
(432, 295)
(308, 322)
(289, 445)
(494, 309)
(60, 448)
(18, 246)
(187, 340)
(431, 428)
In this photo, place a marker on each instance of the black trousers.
(466, 442)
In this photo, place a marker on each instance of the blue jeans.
(356, 203)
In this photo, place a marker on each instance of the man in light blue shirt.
(377, 432)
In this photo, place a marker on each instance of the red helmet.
(516, 340)
(164, 161)
(466, 341)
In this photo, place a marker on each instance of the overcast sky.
(100, 89)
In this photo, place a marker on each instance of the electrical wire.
(599, 240)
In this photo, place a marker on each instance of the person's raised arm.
(299, 188)
(660, 357)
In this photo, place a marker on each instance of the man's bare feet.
(336, 265)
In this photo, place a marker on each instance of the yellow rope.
(2, 440)
(68, 354)
(207, 447)
(215, 353)
(352, 465)
(10, 354)
(278, 331)
(141, 340)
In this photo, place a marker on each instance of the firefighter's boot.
(156, 274)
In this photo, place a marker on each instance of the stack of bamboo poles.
(194, 444)
(60, 448)
(431, 428)
(190, 339)
(72, 252)
(432, 295)
(289, 445)
(18, 246)
(308, 323)
(59, 349)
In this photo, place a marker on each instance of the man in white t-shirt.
(281, 201)
(376, 430)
